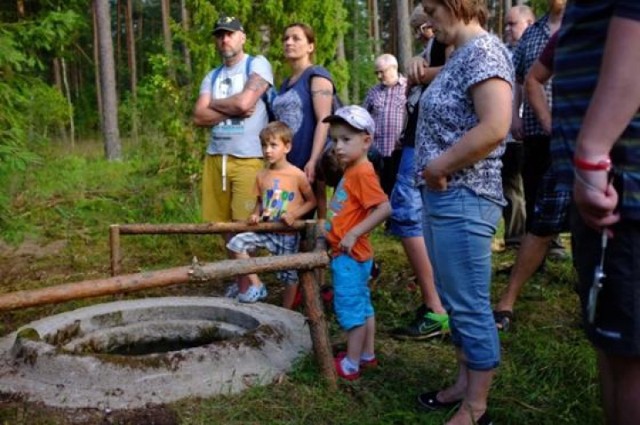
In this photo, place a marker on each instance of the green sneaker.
(428, 326)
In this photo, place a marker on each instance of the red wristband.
(581, 164)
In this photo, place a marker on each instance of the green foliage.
(164, 110)
(264, 24)
(50, 33)
(30, 106)
(361, 49)
(540, 7)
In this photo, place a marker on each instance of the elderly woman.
(465, 116)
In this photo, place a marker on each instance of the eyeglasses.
(422, 28)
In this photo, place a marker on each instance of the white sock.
(349, 366)
(367, 357)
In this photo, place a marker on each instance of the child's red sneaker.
(341, 372)
(364, 364)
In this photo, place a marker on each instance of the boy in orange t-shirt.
(283, 194)
(358, 205)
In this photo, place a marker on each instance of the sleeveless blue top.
(294, 106)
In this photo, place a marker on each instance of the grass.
(63, 207)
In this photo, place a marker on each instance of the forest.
(109, 70)
(95, 129)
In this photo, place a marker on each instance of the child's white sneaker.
(253, 294)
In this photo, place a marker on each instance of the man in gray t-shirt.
(230, 102)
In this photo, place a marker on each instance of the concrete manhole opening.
(132, 353)
(157, 329)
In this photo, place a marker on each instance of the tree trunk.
(140, 23)
(341, 57)
(404, 34)
(96, 62)
(110, 131)
(166, 32)
(355, 88)
(67, 91)
(133, 75)
(57, 78)
(186, 26)
(20, 9)
(118, 36)
(375, 21)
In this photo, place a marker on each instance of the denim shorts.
(275, 243)
(406, 203)
(351, 295)
(459, 227)
(616, 328)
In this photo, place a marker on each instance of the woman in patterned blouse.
(464, 119)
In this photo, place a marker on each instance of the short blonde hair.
(277, 130)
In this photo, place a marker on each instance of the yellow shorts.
(229, 198)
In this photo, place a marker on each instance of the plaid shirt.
(529, 48)
(387, 108)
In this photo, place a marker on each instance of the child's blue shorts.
(352, 298)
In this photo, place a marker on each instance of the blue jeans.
(406, 203)
(458, 228)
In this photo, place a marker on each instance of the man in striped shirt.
(596, 117)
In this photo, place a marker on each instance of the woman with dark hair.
(304, 99)
(464, 118)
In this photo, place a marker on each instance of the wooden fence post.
(315, 314)
(114, 244)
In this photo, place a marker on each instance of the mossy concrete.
(165, 349)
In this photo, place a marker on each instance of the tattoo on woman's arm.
(323, 92)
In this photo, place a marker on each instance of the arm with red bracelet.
(615, 101)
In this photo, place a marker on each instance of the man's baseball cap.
(227, 23)
(355, 116)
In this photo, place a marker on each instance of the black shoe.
(421, 311)
(485, 419)
(428, 325)
(429, 401)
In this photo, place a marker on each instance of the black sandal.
(429, 401)
(504, 319)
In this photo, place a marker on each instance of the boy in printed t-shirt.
(283, 194)
(358, 205)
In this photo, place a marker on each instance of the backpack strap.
(247, 69)
(216, 72)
